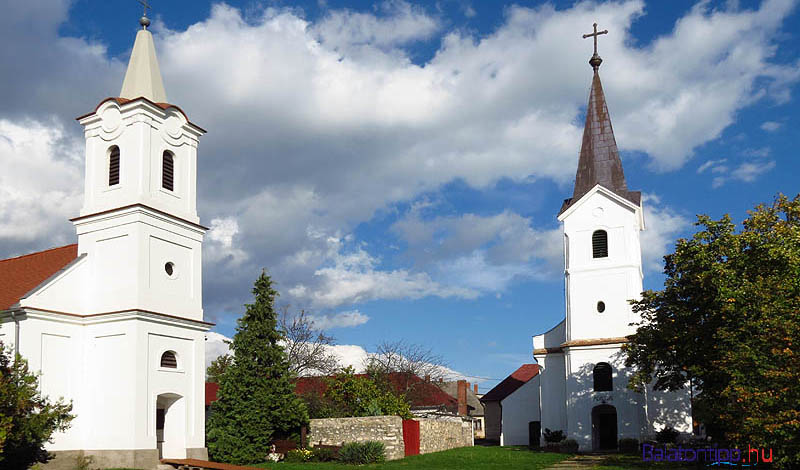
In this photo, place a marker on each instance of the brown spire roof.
(599, 162)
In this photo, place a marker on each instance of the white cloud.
(351, 277)
(339, 320)
(745, 171)
(40, 184)
(216, 346)
(316, 127)
(749, 171)
(771, 126)
(663, 226)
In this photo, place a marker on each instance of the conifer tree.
(256, 401)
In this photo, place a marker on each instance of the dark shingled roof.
(599, 162)
(511, 383)
(20, 275)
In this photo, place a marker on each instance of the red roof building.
(22, 274)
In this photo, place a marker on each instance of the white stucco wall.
(519, 408)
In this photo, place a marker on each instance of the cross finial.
(595, 61)
(144, 20)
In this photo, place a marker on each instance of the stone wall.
(434, 434)
(441, 434)
(337, 431)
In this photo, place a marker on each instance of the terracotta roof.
(20, 275)
(511, 383)
(211, 392)
(599, 161)
(419, 392)
(121, 101)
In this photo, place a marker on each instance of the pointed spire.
(599, 162)
(143, 78)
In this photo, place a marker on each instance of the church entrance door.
(171, 426)
(604, 427)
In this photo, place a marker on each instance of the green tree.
(349, 394)
(27, 419)
(256, 401)
(218, 367)
(727, 321)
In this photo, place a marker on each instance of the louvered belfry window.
(168, 172)
(168, 360)
(599, 244)
(113, 166)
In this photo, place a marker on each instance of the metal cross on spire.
(144, 20)
(595, 61)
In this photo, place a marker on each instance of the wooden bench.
(192, 464)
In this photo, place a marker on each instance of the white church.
(115, 322)
(579, 384)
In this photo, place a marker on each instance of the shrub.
(667, 436)
(298, 455)
(553, 436)
(628, 445)
(569, 446)
(359, 453)
(322, 454)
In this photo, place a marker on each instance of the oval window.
(601, 306)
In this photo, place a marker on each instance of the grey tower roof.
(599, 162)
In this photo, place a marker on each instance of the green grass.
(634, 461)
(518, 458)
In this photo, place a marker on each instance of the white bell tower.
(602, 221)
(139, 217)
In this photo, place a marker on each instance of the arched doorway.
(604, 427)
(171, 426)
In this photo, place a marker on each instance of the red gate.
(411, 436)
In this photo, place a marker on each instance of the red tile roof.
(418, 391)
(511, 383)
(211, 392)
(20, 275)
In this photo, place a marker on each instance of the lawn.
(454, 459)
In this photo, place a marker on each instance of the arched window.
(113, 166)
(168, 360)
(168, 171)
(599, 244)
(602, 377)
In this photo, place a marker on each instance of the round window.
(601, 306)
(169, 268)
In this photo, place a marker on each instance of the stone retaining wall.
(435, 434)
(337, 431)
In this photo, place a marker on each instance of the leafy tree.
(218, 367)
(727, 321)
(256, 401)
(349, 395)
(27, 419)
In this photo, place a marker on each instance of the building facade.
(583, 378)
(115, 323)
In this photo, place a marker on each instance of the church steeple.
(599, 161)
(143, 78)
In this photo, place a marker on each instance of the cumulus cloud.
(339, 320)
(40, 184)
(664, 225)
(318, 126)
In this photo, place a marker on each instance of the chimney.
(476, 389)
(427, 378)
(462, 397)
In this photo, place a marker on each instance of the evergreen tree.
(256, 400)
(27, 419)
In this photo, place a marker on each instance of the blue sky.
(398, 166)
